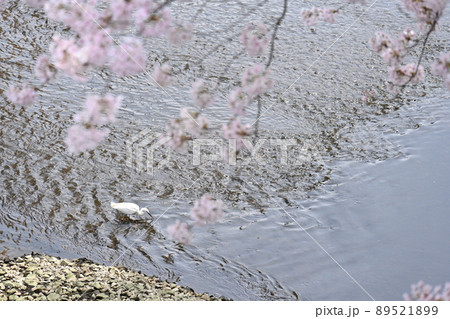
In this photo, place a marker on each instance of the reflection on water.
(56, 203)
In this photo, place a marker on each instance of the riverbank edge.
(46, 278)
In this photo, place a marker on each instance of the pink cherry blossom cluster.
(21, 96)
(442, 67)
(254, 38)
(424, 292)
(238, 100)
(311, 16)
(426, 11)
(202, 94)
(69, 58)
(151, 23)
(178, 130)
(86, 134)
(162, 75)
(92, 43)
(256, 80)
(180, 232)
(393, 52)
(205, 211)
(128, 58)
(402, 74)
(237, 131)
(44, 70)
(80, 138)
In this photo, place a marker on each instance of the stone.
(31, 280)
(53, 297)
(64, 262)
(102, 296)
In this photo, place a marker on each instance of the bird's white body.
(129, 208)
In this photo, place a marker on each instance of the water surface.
(371, 197)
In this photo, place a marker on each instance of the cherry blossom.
(407, 36)
(380, 42)
(237, 131)
(81, 138)
(424, 292)
(121, 10)
(201, 93)
(96, 45)
(162, 75)
(392, 51)
(442, 67)
(426, 11)
(79, 15)
(402, 74)
(176, 135)
(99, 110)
(68, 58)
(128, 58)
(44, 70)
(237, 101)
(82, 17)
(58, 9)
(256, 80)
(329, 15)
(310, 16)
(180, 232)
(254, 38)
(179, 33)
(177, 130)
(23, 96)
(193, 122)
(206, 210)
(150, 23)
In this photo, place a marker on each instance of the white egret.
(130, 208)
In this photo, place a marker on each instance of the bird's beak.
(150, 215)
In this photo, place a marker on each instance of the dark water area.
(363, 215)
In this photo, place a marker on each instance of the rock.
(102, 296)
(32, 268)
(31, 280)
(71, 277)
(206, 297)
(53, 297)
(97, 285)
(64, 262)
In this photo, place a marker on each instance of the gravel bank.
(40, 277)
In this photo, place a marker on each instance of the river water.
(362, 214)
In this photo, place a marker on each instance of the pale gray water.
(374, 195)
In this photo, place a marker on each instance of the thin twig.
(269, 61)
(258, 115)
(421, 55)
(274, 34)
(162, 5)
